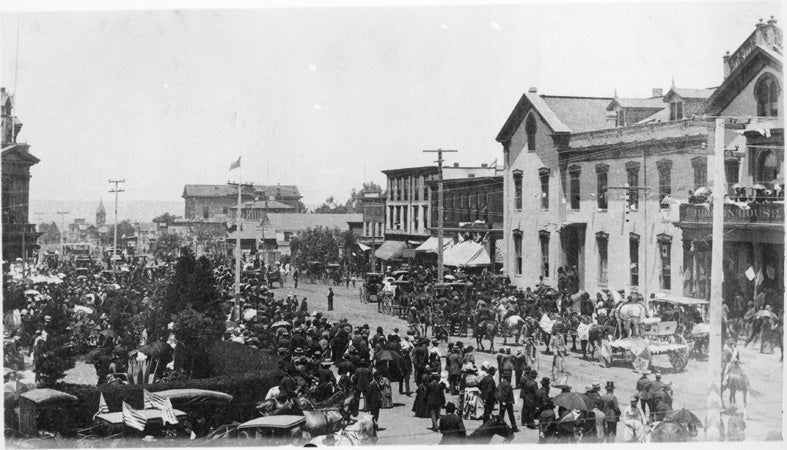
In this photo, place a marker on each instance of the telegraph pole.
(62, 215)
(713, 418)
(116, 190)
(440, 210)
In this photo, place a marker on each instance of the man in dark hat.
(520, 365)
(363, 376)
(287, 385)
(420, 359)
(594, 395)
(542, 395)
(435, 399)
(547, 423)
(452, 427)
(654, 394)
(488, 387)
(528, 396)
(611, 408)
(330, 299)
(453, 363)
(374, 398)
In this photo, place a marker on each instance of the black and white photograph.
(348, 223)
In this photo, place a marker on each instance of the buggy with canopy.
(371, 287)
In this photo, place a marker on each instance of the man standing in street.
(452, 427)
(611, 410)
(330, 299)
(296, 274)
(643, 388)
(406, 366)
(435, 399)
(454, 365)
(488, 387)
(505, 395)
(420, 360)
(633, 421)
(654, 393)
(363, 377)
(528, 396)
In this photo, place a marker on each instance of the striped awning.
(390, 250)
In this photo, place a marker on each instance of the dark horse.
(485, 329)
(494, 426)
(736, 381)
(595, 335)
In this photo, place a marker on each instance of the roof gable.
(19, 153)
(530, 100)
(701, 94)
(580, 114)
(743, 74)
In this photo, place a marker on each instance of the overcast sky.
(325, 98)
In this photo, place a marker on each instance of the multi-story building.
(408, 204)
(372, 235)
(473, 209)
(208, 200)
(286, 226)
(19, 236)
(612, 202)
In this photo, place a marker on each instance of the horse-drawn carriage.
(371, 287)
(658, 338)
(687, 312)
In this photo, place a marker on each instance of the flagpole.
(237, 243)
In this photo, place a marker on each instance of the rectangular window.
(405, 223)
(665, 182)
(391, 217)
(544, 176)
(415, 219)
(732, 170)
(634, 259)
(602, 173)
(602, 240)
(224, 210)
(205, 212)
(543, 238)
(675, 110)
(518, 252)
(632, 172)
(426, 217)
(287, 236)
(518, 190)
(665, 257)
(574, 174)
(620, 119)
(416, 188)
(700, 164)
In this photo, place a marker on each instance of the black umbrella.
(571, 400)
(387, 355)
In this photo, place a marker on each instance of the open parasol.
(249, 314)
(736, 186)
(759, 187)
(578, 295)
(387, 355)
(703, 191)
(32, 292)
(281, 323)
(571, 401)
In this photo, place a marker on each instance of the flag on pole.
(133, 418)
(102, 406)
(155, 401)
(236, 164)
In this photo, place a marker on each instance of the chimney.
(657, 92)
(456, 164)
(484, 165)
(532, 90)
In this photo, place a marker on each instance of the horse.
(362, 432)
(595, 334)
(486, 329)
(323, 421)
(736, 381)
(628, 314)
(514, 325)
(669, 431)
(494, 426)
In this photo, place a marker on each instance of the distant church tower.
(101, 215)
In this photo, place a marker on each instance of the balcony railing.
(754, 213)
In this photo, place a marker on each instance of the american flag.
(155, 401)
(133, 418)
(102, 406)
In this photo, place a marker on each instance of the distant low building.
(287, 226)
(205, 201)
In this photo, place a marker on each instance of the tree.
(167, 246)
(354, 203)
(330, 206)
(51, 233)
(316, 244)
(125, 228)
(166, 218)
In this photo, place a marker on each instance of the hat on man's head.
(450, 407)
(545, 380)
(589, 388)
(491, 370)
(596, 385)
(610, 385)
(634, 399)
(658, 375)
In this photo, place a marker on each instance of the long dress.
(420, 408)
(385, 388)
(473, 404)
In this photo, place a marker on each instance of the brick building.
(19, 235)
(208, 200)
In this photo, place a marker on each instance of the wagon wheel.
(679, 358)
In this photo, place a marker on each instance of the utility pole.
(440, 210)
(115, 191)
(237, 246)
(713, 418)
(62, 215)
(646, 287)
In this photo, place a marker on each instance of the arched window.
(768, 167)
(530, 130)
(767, 92)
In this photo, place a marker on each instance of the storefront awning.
(430, 246)
(467, 254)
(390, 250)
(363, 247)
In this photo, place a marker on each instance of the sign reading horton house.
(770, 213)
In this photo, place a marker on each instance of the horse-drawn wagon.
(688, 313)
(657, 339)
(370, 289)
